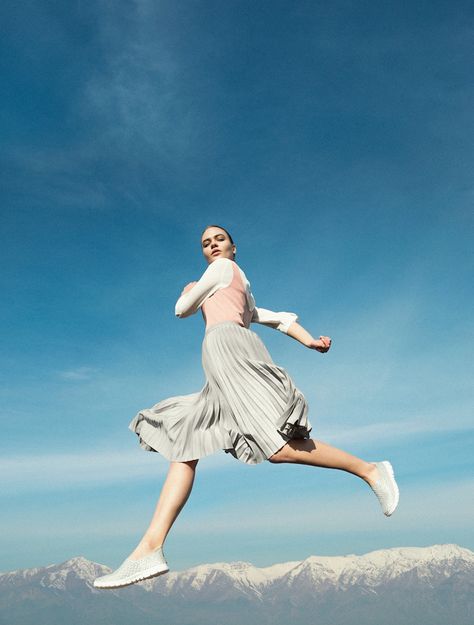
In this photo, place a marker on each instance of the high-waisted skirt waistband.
(222, 324)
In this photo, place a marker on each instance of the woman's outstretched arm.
(276, 320)
(286, 322)
(296, 331)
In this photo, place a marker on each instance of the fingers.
(322, 345)
(326, 341)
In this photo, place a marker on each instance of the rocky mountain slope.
(399, 586)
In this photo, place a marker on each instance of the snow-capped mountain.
(387, 587)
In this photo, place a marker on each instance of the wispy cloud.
(334, 512)
(56, 471)
(81, 373)
(329, 512)
(98, 467)
(136, 93)
(394, 430)
(134, 115)
(386, 365)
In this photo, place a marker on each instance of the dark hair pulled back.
(216, 226)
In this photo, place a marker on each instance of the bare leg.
(174, 494)
(318, 454)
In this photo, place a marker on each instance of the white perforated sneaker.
(386, 488)
(132, 571)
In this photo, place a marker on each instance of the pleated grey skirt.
(249, 407)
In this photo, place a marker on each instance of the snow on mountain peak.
(369, 570)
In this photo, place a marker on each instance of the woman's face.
(216, 244)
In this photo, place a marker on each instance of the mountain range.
(398, 586)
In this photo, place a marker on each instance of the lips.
(215, 252)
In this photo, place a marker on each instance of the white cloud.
(97, 467)
(136, 91)
(80, 373)
(56, 471)
(438, 504)
(437, 507)
(392, 430)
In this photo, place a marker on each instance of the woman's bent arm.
(216, 276)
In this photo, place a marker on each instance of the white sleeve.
(277, 320)
(218, 275)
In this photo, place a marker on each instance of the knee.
(279, 456)
(274, 459)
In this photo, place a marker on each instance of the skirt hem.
(249, 406)
(239, 447)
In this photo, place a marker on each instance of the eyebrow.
(216, 235)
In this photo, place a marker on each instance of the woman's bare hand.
(321, 345)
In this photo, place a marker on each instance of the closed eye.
(206, 242)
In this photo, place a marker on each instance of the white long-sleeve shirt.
(224, 273)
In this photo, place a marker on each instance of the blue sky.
(335, 142)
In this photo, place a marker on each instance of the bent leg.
(174, 494)
(318, 454)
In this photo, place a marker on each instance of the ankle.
(151, 544)
(370, 474)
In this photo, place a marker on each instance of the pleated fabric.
(249, 407)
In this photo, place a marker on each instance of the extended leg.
(379, 476)
(316, 453)
(174, 494)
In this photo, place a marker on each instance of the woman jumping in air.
(249, 406)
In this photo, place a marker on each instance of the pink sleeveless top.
(228, 303)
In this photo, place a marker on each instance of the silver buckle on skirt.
(294, 430)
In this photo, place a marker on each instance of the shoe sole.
(133, 579)
(389, 469)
